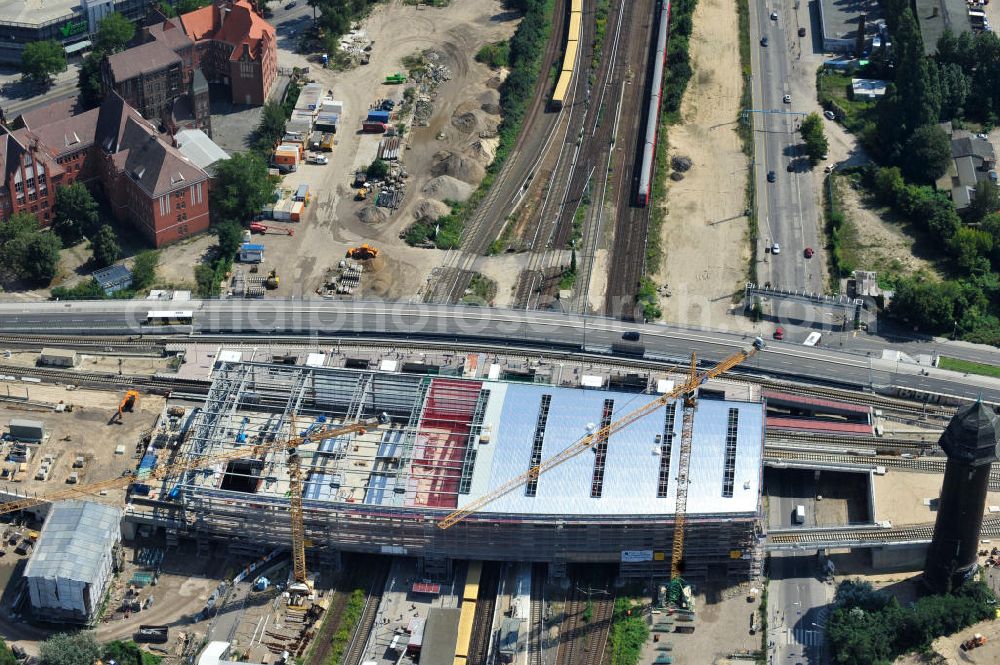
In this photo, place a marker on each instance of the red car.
(809, 252)
(779, 333)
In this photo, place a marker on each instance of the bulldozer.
(361, 194)
(363, 252)
(975, 642)
(128, 403)
(272, 280)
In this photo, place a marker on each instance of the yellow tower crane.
(689, 392)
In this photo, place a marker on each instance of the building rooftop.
(68, 134)
(112, 276)
(840, 17)
(452, 440)
(936, 16)
(199, 148)
(61, 109)
(37, 12)
(440, 636)
(75, 537)
(142, 59)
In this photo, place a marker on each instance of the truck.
(326, 144)
(812, 339)
(800, 514)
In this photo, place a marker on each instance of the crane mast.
(604, 433)
(292, 461)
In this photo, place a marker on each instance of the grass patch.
(628, 632)
(600, 31)
(495, 55)
(483, 290)
(833, 90)
(840, 235)
(526, 49)
(744, 129)
(968, 367)
(352, 614)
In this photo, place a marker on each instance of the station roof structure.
(454, 439)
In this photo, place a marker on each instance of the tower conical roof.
(972, 435)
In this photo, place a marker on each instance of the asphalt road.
(506, 328)
(798, 606)
(787, 209)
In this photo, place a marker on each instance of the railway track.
(627, 260)
(584, 631)
(355, 651)
(491, 214)
(536, 625)
(109, 344)
(901, 533)
(586, 148)
(482, 622)
(804, 439)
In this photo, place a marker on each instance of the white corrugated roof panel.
(632, 468)
(229, 356)
(316, 360)
(76, 536)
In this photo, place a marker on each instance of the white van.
(800, 514)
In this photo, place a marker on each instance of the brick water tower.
(970, 441)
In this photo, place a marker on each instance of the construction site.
(309, 474)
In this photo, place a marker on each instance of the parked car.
(787, 99)
(771, 177)
(763, 41)
(776, 248)
(802, 32)
(774, 16)
(291, 5)
(829, 115)
(779, 333)
(809, 252)
(630, 336)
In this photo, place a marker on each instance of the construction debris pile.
(357, 46)
(427, 78)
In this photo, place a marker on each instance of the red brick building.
(144, 178)
(234, 46)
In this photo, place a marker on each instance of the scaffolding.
(384, 491)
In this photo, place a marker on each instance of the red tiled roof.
(68, 135)
(60, 109)
(141, 59)
(242, 27)
(816, 402)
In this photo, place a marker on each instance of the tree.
(40, 60)
(230, 234)
(378, 169)
(985, 202)
(75, 213)
(27, 253)
(114, 32)
(144, 269)
(926, 304)
(814, 137)
(242, 188)
(40, 257)
(956, 86)
(105, 247)
(271, 127)
(7, 656)
(927, 154)
(971, 249)
(89, 81)
(70, 649)
(18, 224)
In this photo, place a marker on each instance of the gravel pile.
(460, 167)
(430, 209)
(447, 188)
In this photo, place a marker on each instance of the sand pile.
(485, 150)
(430, 209)
(373, 215)
(465, 122)
(460, 167)
(447, 188)
(489, 97)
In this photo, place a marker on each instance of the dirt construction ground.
(331, 223)
(704, 236)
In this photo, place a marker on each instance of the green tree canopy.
(144, 269)
(814, 137)
(40, 60)
(114, 32)
(378, 169)
(270, 129)
(105, 247)
(928, 305)
(89, 81)
(230, 234)
(75, 213)
(927, 154)
(985, 202)
(70, 649)
(242, 188)
(27, 253)
(6, 655)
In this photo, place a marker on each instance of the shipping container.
(570, 58)
(302, 193)
(376, 115)
(373, 127)
(574, 27)
(23, 429)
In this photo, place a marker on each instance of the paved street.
(798, 606)
(788, 209)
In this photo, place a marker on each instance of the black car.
(290, 5)
(763, 41)
(631, 336)
(771, 176)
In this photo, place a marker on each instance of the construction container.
(327, 122)
(22, 429)
(58, 358)
(288, 156)
(309, 97)
(378, 115)
(302, 193)
(300, 122)
(251, 253)
(287, 210)
(297, 144)
(373, 127)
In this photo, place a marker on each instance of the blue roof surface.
(251, 247)
(632, 468)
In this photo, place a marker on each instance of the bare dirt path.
(705, 233)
